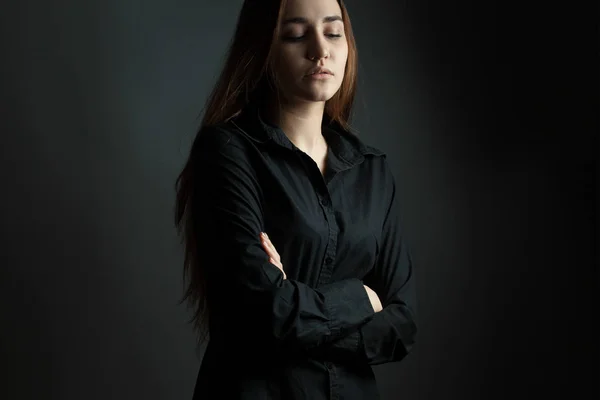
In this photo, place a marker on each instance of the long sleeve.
(390, 334)
(244, 285)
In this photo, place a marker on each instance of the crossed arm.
(337, 321)
(390, 334)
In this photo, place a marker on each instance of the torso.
(325, 232)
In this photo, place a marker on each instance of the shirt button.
(328, 260)
(324, 202)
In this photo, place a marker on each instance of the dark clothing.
(315, 334)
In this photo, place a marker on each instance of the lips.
(320, 70)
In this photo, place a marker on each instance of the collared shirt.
(315, 334)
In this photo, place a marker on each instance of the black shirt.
(315, 334)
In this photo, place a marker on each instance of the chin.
(318, 98)
(312, 92)
(318, 94)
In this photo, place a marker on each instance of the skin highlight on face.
(311, 52)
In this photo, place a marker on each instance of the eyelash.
(298, 38)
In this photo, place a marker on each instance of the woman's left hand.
(274, 257)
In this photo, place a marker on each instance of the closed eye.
(298, 38)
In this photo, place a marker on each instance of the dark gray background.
(483, 107)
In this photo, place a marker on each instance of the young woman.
(304, 312)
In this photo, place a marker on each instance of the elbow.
(405, 342)
(290, 328)
(410, 337)
(409, 333)
(404, 338)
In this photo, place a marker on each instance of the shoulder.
(215, 138)
(364, 147)
(376, 159)
(223, 139)
(367, 149)
(220, 155)
(356, 144)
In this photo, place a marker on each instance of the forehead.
(312, 11)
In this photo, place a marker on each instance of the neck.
(301, 123)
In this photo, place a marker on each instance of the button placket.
(333, 384)
(331, 249)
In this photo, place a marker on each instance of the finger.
(265, 245)
(266, 241)
(273, 252)
(276, 263)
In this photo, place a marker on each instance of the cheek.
(286, 63)
(343, 54)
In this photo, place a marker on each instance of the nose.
(318, 48)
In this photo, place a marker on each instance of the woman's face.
(311, 36)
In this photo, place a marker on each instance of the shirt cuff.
(348, 306)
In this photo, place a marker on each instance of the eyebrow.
(302, 20)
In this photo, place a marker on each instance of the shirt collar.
(345, 145)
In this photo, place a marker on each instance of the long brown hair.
(247, 74)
